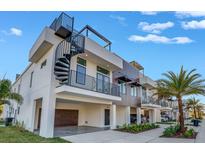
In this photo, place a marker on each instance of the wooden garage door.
(66, 117)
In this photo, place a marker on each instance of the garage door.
(66, 117)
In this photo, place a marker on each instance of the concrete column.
(127, 114)
(154, 116)
(150, 116)
(138, 111)
(33, 115)
(47, 116)
(113, 116)
(147, 92)
(158, 115)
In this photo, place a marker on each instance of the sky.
(159, 41)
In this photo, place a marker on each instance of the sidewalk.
(201, 135)
(152, 136)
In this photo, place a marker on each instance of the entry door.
(107, 117)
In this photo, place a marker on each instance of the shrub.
(189, 133)
(135, 128)
(171, 131)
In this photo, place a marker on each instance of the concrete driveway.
(74, 130)
(152, 136)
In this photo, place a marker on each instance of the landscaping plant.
(7, 94)
(135, 128)
(174, 131)
(178, 85)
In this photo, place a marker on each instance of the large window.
(144, 94)
(103, 80)
(80, 74)
(122, 88)
(134, 91)
(81, 71)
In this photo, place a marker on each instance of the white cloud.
(149, 12)
(155, 27)
(13, 31)
(186, 14)
(120, 19)
(159, 39)
(194, 24)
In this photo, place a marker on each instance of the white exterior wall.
(91, 68)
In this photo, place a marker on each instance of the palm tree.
(6, 93)
(181, 84)
(200, 109)
(192, 104)
(1, 109)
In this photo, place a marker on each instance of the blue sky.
(160, 41)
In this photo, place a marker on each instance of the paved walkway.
(152, 136)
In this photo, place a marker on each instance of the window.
(80, 74)
(81, 61)
(103, 83)
(43, 64)
(123, 88)
(134, 91)
(103, 80)
(31, 79)
(102, 70)
(144, 93)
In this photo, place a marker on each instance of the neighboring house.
(74, 81)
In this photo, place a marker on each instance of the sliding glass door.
(103, 83)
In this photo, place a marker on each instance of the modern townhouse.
(73, 80)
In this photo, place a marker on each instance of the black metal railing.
(62, 49)
(78, 41)
(84, 81)
(63, 20)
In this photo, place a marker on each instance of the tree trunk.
(181, 114)
(194, 113)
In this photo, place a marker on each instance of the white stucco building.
(74, 81)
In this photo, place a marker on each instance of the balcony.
(147, 82)
(63, 25)
(165, 106)
(150, 103)
(88, 86)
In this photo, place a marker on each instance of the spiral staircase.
(72, 45)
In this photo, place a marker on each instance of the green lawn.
(18, 135)
(1, 122)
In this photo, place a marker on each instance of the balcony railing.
(144, 80)
(164, 104)
(63, 25)
(84, 81)
(150, 100)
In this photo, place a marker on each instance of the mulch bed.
(126, 131)
(181, 136)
